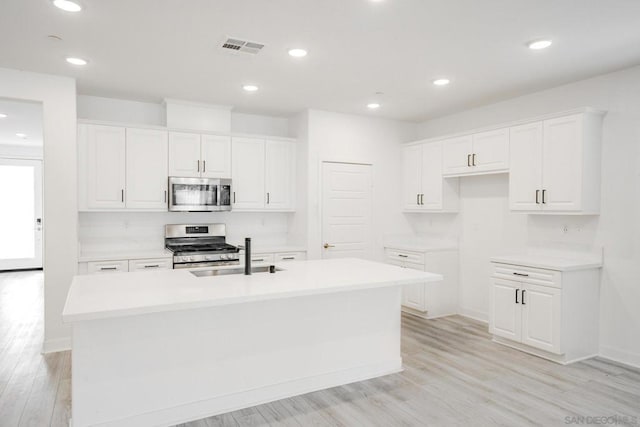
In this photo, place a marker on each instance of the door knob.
(327, 246)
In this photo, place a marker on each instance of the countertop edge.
(578, 266)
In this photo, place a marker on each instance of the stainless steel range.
(199, 245)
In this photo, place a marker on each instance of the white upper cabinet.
(184, 154)
(525, 178)
(102, 159)
(263, 174)
(195, 155)
(279, 174)
(555, 165)
(248, 173)
(490, 151)
(147, 160)
(122, 168)
(456, 155)
(424, 188)
(480, 153)
(215, 153)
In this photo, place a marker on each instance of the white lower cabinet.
(102, 267)
(150, 264)
(432, 299)
(548, 313)
(272, 257)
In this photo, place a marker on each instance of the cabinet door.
(105, 166)
(525, 175)
(216, 156)
(456, 155)
(184, 154)
(431, 197)
(146, 169)
(411, 176)
(562, 163)
(541, 321)
(413, 296)
(506, 314)
(279, 175)
(491, 151)
(247, 157)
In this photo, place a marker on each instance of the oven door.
(194, 194)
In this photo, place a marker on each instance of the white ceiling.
(151, 49)
(22, 117)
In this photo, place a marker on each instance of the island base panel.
(172, 367)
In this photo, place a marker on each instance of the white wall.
(486, 227)
(254, 123)
(357, 139)
(21, 151)
(58, 97)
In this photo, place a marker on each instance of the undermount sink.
(238, 270)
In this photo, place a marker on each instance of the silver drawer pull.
(521, 274)
(152, 266)
(288, 257)
(257, 259)
(108, 268)
(403, 256)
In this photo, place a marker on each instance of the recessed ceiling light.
(250, 88)
(539, 44)
(373, 106)
(67, 5)
(77, 61)
(21, 135)
(441, 82)
(3, 116)
(297, 53)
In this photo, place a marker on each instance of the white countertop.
(128, 294)
(552, 261)
(123, 254)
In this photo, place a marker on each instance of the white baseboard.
(480, 316)
(232, 402)
(56, 345)
(620, 356)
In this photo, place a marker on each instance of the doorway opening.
(21, 154)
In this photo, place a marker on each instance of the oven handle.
(178, 266)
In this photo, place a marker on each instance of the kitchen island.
(166, 347)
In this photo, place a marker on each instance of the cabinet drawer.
(405, 256)
(150, 264)
(290, 256)
(103, 267)
(262, 258)
(524, 274)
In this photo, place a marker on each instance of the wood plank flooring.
(454, 375)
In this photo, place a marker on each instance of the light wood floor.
(454, 375)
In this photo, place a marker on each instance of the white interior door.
(346, 210)
(21, 214)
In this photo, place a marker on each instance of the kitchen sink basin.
(238, 270)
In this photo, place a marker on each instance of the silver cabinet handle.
(544, 200)
(469, 160)
(268, 198)
(257, 259)
(122, 195)
(537, 197)
(108, 268)
(521, 274)
(204, 166)
(523, 291)
(422, 199)
(234, 197)
(473, 159)
(403, 256)
(417, 199)
(198, 165)
(517, 290)
(165, 196)
(152, 266)
(288, 257)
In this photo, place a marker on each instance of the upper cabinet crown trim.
(168, 129)
(582, 110)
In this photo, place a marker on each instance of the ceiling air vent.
(237, 45)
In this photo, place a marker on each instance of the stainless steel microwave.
(199, 194)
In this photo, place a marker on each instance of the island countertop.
(127, 294)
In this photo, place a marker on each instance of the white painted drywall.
(20, 151)
(58, 97)
(486, 226)
(255, 123)
(120, 110)
(357, 139)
